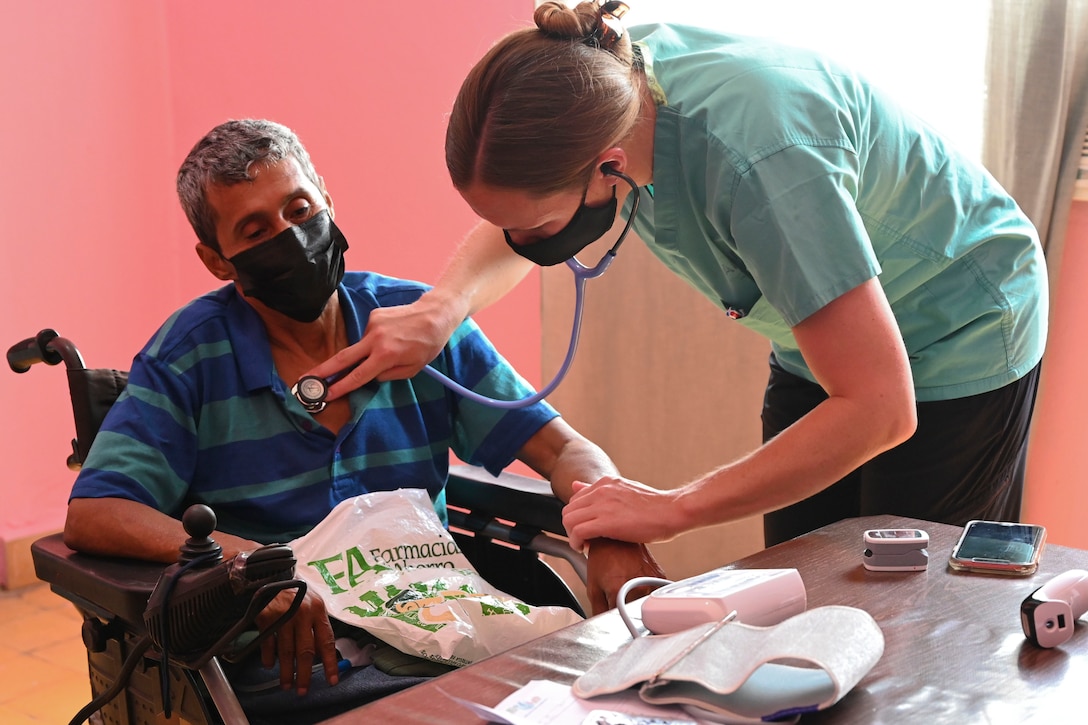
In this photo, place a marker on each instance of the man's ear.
(327, 196)
(215, 263)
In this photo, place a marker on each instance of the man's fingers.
(326, 647)
(639, 592)
(285, 646)
(598, 602)
(268, 651)
(304, 665)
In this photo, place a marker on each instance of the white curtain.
(1037, 109)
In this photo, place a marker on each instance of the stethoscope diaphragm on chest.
(311, 391)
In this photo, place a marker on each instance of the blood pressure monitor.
(760, 597)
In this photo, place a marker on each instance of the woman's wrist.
(689, 510)
(446, 309)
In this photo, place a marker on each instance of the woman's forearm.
(481, 271)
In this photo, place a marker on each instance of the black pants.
(965, 460)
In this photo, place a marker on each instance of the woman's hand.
(616, 508)
(397, 343)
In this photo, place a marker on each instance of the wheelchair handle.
(46, 347)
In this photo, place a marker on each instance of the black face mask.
(296, 271)
(586, 226)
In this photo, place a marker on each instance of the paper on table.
(543, 702)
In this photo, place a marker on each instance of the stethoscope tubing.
(316, 403)
(581, 274)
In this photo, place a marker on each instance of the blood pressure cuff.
(741, 673)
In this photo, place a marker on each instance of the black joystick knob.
(199, 522)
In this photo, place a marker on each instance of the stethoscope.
(312, 390)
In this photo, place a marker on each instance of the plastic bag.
(383, 562)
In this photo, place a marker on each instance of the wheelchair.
(504, 525)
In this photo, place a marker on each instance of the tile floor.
(43, 665)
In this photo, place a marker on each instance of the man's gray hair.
(225, 156)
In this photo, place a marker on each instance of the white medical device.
(1048, 613)
(760, 597)
(895, 550)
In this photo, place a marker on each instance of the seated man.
(208, 415)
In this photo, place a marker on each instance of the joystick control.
(199, 522)
(203, 602)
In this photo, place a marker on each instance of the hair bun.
(559, 21)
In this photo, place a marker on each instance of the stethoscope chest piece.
(311, 391)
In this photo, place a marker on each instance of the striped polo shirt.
(205, 418)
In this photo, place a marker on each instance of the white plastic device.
(760, 597)
(895, 550)
(1048, 613)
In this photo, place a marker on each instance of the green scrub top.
(782, 181)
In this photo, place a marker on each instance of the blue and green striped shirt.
(205, 418)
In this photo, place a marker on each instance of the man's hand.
(303, 639)
(397, 343)
(617, 508)
(613, 563)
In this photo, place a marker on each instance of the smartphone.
(999, 547)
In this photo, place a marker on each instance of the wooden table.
(954, 650)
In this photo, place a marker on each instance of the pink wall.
(102, 101)
(1057, 493)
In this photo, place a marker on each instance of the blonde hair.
(543, 103)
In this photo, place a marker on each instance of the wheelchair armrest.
(510, 509)
(524, 500)
(107, 586)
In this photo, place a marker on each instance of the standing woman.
(902, 289)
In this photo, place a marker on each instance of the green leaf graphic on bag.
(412, 605)
(383, 562)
